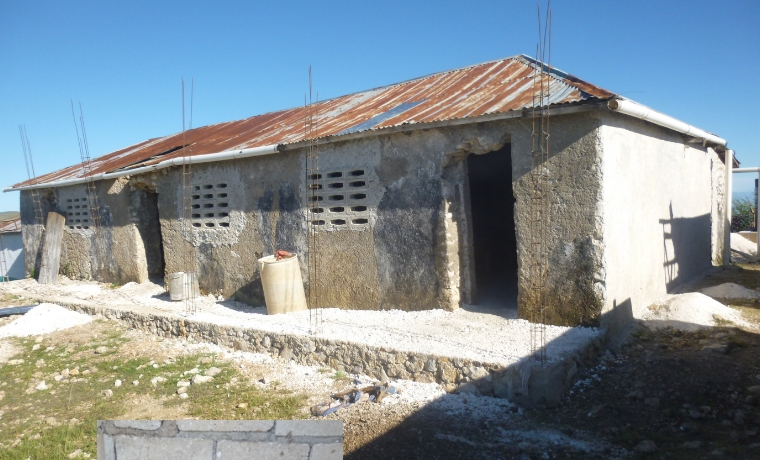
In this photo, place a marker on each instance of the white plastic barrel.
(177, 286)
(283, 287)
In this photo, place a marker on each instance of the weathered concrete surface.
(574, 247)
(33, 227)
(220, 439)
(663, 212)
(115, 253)
(414, 252)
(140, 448)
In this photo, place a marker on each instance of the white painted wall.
(14, 255)
(658, 210)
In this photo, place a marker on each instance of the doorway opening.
(492, 207)
(151, 236)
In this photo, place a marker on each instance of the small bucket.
(177, 286)
(180, 285)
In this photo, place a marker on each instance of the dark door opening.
(492, 206)
(151, 236)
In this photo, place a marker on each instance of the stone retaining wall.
(220, 439)
(523, 382)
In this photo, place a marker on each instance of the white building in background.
(12, 249)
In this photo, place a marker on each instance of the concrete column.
(729, 159)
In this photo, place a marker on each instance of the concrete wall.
(116, 253)
(574, 249)
(220, 439)
(663, 212)
(410, 249)
(13, 253)
(415, 251)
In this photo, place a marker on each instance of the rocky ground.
(663, 393)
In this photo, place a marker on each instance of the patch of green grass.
(217, 401)
(26, 411)
(339, 375)
(56, 443)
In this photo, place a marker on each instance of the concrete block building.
(12, 258)
(424, 199)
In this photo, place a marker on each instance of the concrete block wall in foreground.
(220, 439)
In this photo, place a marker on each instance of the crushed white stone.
(731, 291)
(483, 337)
(687, 312)
(43, 319)
(742, 249)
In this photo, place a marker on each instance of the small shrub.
(743, 215)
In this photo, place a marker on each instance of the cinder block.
(225, 425)
(138, 424)
(308, 428)
(332, 451)
(260, 450)
(105, 447)
(142, 448)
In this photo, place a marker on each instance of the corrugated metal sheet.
(493, 87)
(10, 226)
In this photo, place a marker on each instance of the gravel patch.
(731, 291)
(464, 334)
(43, 319)
(742, 249)
(687, 312)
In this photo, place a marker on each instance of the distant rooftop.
(10, 222)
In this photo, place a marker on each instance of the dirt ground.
(661, 394)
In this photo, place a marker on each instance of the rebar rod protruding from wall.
(539, 192)
(29, 162)
(35, 193)
(190, 278)
(91, 188)
(314, 211)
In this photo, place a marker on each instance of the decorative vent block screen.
(340, 201)
(78, 212)
(211, 206)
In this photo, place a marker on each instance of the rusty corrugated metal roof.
(10, 225)
(493, 87)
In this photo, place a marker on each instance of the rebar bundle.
(36, 199)
(539, 192)
(29, 161)
(314, 210)
(188, 254)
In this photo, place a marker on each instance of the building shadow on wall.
(687, 247)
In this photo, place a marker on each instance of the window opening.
(353, 216)
(208, 201)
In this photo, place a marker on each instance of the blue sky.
(697, 61)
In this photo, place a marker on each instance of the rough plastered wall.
(574, 243)
(32, 226)
(386, 249)
(220, 439)
(662, 212)
(115, 254)
(264, 213)
(394, 229)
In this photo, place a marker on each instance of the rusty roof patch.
(493, 87)
(11, 225)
